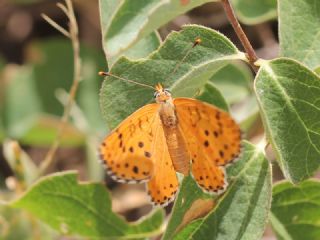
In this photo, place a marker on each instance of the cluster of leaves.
(285, 93)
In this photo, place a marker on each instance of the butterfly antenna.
(196, 42)
(108, 74)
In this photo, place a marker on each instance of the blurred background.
(36, 72)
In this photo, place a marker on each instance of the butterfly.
(172, 135)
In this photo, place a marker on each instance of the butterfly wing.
(208, 175)
(127, 151)
(213, 139)
(164, 184)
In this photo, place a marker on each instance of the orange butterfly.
(169, 136)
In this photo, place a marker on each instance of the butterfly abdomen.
(177, 149)
(175, 141)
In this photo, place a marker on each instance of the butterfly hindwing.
(127, 151)
(210, 177)
(163, 184)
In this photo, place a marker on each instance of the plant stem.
(73, 34)
(251, 55)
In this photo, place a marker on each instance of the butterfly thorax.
(167, 114)
(167, 109)
(174, 138)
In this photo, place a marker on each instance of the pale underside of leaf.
(255, 11)
(131, 21)
(287, 94)
(299, 30)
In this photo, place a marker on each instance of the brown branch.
(73, 35)
(251, 55)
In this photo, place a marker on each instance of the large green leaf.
(125, 22)
(299, 30)
(288, 96)
(82, 209)
(241, 213)
(295, 210)
(255, 11)
(119, 99)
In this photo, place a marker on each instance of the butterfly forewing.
(213, 139)
(127, 151)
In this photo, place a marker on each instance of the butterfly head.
(162, 95)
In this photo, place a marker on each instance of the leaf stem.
(73, 34)
(251, 55)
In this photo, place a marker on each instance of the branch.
(73, 35)
(251, 55)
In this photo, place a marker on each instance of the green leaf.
(144, 46)
(45, 130)
(2, 99)
(246, 113)
(126, 22)
(212, 95)
(15, 224)
(141, 49)
(234, 82)
(255, 11)
(241, 213)
(22, 105)
(82, 209)
(182, 204)
(55, 56)
(118, 99)
(299, 30)
(295, 210)
(288, 96)
(88, 91)
(23, 111)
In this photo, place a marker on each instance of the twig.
(251, 55)
(73, 35)
(55, 25)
